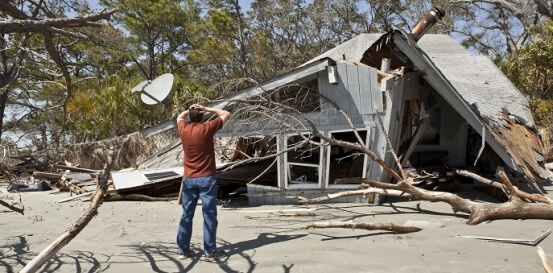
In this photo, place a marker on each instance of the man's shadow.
(232, 249)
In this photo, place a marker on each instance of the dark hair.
(195, 115)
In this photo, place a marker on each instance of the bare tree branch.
(367, 226)
(17, 207)
(20, 26)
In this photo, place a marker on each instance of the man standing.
(199, 177)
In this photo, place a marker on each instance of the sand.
(140, 237)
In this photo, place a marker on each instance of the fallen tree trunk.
(478, 212)
(367, 226)
(77, 227)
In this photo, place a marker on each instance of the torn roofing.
(487, 95)
(479, 81)
(473, 77)
(349, 51)
(475, 87)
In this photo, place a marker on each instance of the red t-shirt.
(197, 143)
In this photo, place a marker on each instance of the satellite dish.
(154, 92)
(140, 86)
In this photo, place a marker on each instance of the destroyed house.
(440, 106)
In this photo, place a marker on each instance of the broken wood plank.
(77, 169)
(74, 197)
(68, 186)
(52, 177)
(533, 242)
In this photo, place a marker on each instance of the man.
(199, 177)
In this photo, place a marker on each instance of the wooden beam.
(52, 177)
(74, 197)
(76, 169)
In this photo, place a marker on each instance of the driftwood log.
(515, 208)
(367, 226)
(78, 226)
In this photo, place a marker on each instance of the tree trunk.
(3, 102)
(516, 208)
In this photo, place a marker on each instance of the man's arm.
(182, 116)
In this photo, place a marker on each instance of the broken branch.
(367, 226)
(305, 201)
(544, 260)
(478, 211)
(530, 196)
(13, 206)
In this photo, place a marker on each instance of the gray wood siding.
(392, 123)
(356, 92)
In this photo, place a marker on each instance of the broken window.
(343, 162)
(303, 161)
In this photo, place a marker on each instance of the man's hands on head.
(198, 107)
(223, 114)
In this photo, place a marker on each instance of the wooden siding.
(392, 123)
(356, 92)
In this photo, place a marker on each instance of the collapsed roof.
(471, 84)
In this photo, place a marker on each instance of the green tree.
(494, 28)
(158, 32)
(531, 70)
(36, 37)
(280, 40)
(107, 109)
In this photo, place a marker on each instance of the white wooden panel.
(136, 178)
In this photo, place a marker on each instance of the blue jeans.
(205, 188)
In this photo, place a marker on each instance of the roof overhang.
(297, 75)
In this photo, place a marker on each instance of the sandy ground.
(140, 237)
